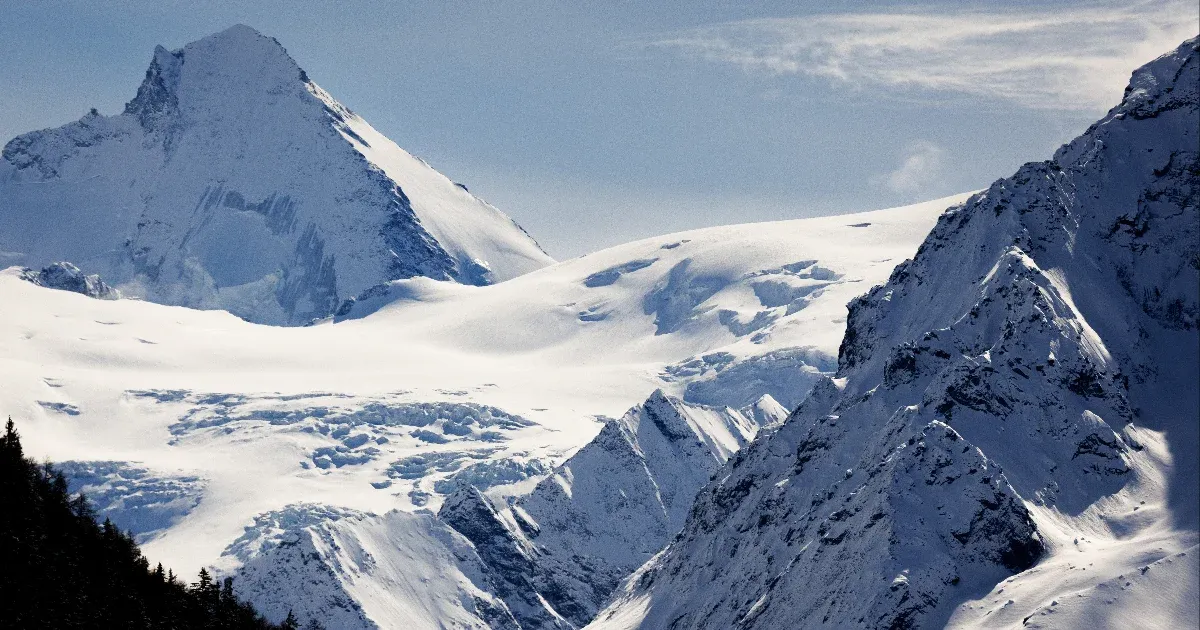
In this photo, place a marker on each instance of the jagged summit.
(233, 181)
(1161, 85)
(233, 68)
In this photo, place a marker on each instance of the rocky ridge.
(987, 401)
(558, 552)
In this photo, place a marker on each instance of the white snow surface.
(427, 385)
(231, 181)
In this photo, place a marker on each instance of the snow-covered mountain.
(198, 430)
(557, 553)
(1011, 436)
(548, 558)
(232, 181)
(1005, 432)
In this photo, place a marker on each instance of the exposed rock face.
(995, 377)
(68, 277)
(232, 181)
(558, 553)
(892, 523)
(511, 559)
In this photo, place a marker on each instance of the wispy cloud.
(1075, 58)
(918, 170)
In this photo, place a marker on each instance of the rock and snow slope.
(1020, 398)
(348, 568)
(67, 277)
(212, 424)
(560, 550)
(545, 559)
(232, 181)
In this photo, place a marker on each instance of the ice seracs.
(233, 181)
(548, 558)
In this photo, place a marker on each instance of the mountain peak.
(1164, 74)
(236, 66)
(231, 181)
(898, 494)
(242, 47)
(240, 39)
(237, 32)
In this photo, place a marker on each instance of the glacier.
(433, 390)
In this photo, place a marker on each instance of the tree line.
(60, 568)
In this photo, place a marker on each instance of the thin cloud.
(1073, 58)
(920, 168)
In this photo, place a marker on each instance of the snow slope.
(1011, 436)
(421, 388)
(722, 315)
(232, 181)
(346, 568)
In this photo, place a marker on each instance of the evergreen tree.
(12, 441)
(204, 581)
(59, 568)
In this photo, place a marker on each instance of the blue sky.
(595, 125)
